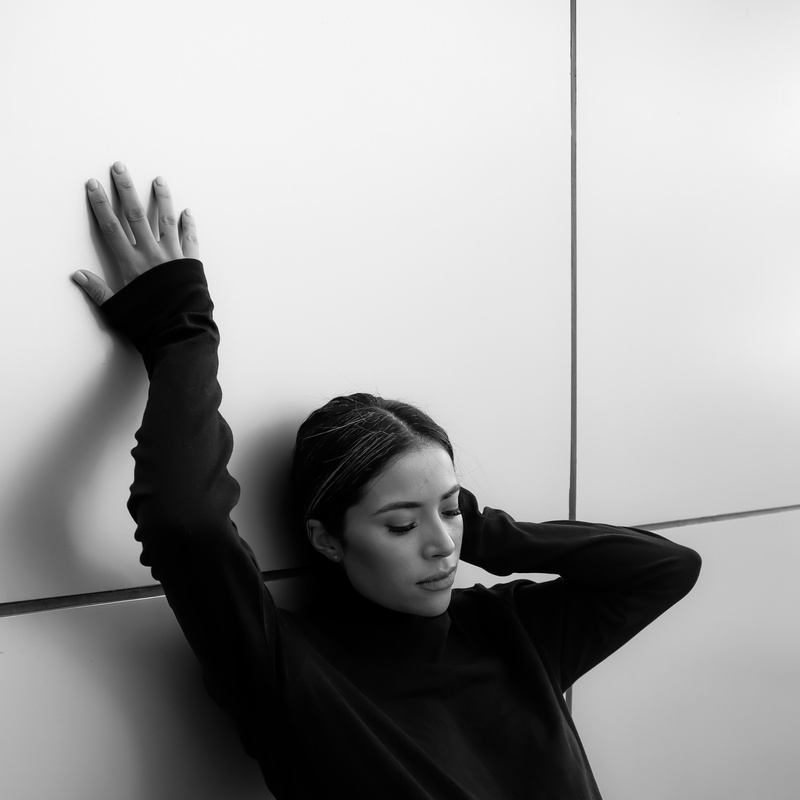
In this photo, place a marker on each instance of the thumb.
(95, 287)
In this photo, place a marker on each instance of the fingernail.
(160, 181)
(80, 278)
(187, 212)
(92, 184)
(119, 167)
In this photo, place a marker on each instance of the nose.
(438, 543)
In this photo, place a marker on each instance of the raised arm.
(182, 493)
(614, 581)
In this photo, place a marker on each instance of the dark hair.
(347, 443)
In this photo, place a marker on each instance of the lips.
(439, 581)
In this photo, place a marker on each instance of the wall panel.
(382, 207)
(705, 702)
(688, 201)
(108, 701)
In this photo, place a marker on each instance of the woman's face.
(402, 540)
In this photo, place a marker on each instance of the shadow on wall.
(42, 536)
(54, 481)
(108, 702)
(263, 515)
(61, 464)
(141, 683)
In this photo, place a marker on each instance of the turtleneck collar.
(359, 622)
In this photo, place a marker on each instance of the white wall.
(382, 191)
(704, 703)
(106, 702)
(689, 197)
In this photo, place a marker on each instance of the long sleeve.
(182, 493)
(613, 582)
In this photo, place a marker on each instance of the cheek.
(457, 534)
(380, 558)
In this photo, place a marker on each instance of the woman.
(395, 685)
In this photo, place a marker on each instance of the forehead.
(415, 474)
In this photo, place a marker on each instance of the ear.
(322, 541)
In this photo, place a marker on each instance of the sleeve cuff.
(175, 287)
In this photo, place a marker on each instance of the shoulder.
(512, 620)
(507, 599)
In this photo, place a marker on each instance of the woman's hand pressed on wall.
(177, 238)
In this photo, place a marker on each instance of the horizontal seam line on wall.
(36, 605)
(680, 523)
(20, 607)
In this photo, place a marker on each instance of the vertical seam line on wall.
(573, 437)
(573, 389)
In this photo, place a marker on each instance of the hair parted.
(344, 445)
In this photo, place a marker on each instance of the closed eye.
(401, 529)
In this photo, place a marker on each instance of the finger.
(167, 221)
(132, 207)
(95, 287)
(107, 221)
(189, 243)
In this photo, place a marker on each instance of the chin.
(435, 605)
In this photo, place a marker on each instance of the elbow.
(685, 570)
(170, 532)
(692, 564)
(183, 510)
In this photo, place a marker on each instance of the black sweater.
(351, 699)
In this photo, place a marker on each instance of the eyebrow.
(412, 503)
